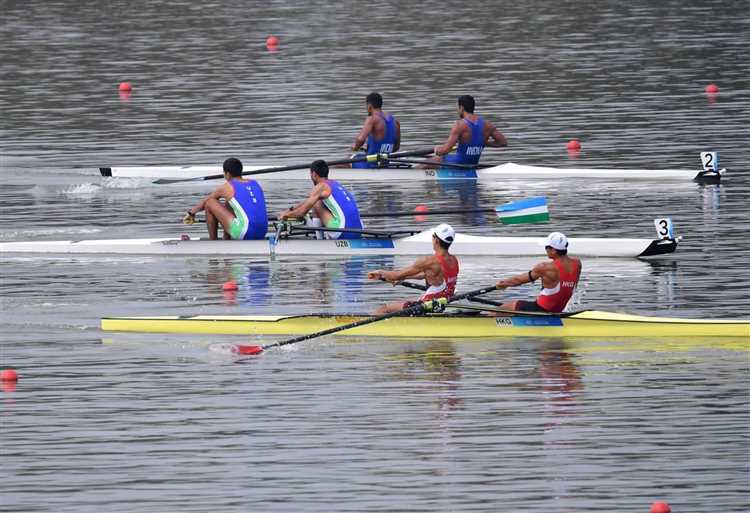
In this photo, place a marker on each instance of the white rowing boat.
(418, 244)
(500, 172)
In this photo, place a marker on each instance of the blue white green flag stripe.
(531, 210)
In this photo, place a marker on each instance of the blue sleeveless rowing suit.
(384, 145)
(469, 153)
(249, 207)
(344, 209)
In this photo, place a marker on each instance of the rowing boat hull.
(500, 172)
(583, 324)
(419, 244)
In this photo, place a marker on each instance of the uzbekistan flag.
(531, 210)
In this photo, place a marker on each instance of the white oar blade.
(531, 210)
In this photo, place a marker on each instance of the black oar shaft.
(278, 169)
(412, 310)
(434, 163)
(417, 286)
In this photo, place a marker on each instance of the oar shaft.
(412, 310)
(433, 163)
(277, 169)
(417, 286)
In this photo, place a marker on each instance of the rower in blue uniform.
(472, 133)
(381, 131)
(243, 213)
(331, 203)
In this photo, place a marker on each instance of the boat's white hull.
(503, 171)
(420, 244)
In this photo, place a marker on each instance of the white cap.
(556, 240)
(445, 233)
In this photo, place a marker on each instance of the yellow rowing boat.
(588, 323)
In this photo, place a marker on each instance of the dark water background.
(102, 422)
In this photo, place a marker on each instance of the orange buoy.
(125, 87)
(574, 145)
(230, 285)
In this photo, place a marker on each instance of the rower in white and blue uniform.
(472, 133)
(381, 131)
(330, 202)
(239, 205)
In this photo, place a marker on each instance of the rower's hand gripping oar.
(376, 157)
(433, 305)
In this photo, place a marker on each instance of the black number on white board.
(664, 228)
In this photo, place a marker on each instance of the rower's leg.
(217, 213)
(390, 307)
(512, 305)
(211, 224)
(322, 213)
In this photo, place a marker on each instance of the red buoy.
(420, 209)
(8, 375)
(230, 285)
(574, 145)
(248, 350)
(272, 42)
(125, 87)
(660, 507)
(712, 89)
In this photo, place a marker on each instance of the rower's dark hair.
(561, 252)
(467, 102)
(233, 166)
(442, 243)
(375, 100)
(320, 167)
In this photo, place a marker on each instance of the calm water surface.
(108, 422)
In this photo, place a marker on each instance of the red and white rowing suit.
(554, 299)
(448, 287)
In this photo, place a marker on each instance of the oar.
(380, 234)
(530, 210)
(417, 286)
(427, 306)
(376, 157)
(433, 163)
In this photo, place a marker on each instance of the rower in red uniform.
(440, 271)
(559, 279)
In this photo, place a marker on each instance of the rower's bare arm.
(521, 279)
(217, 194)
(362, 136)
(497, 139)
(397, 143)
(415, 270)
(304, 207)
(452, 139)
